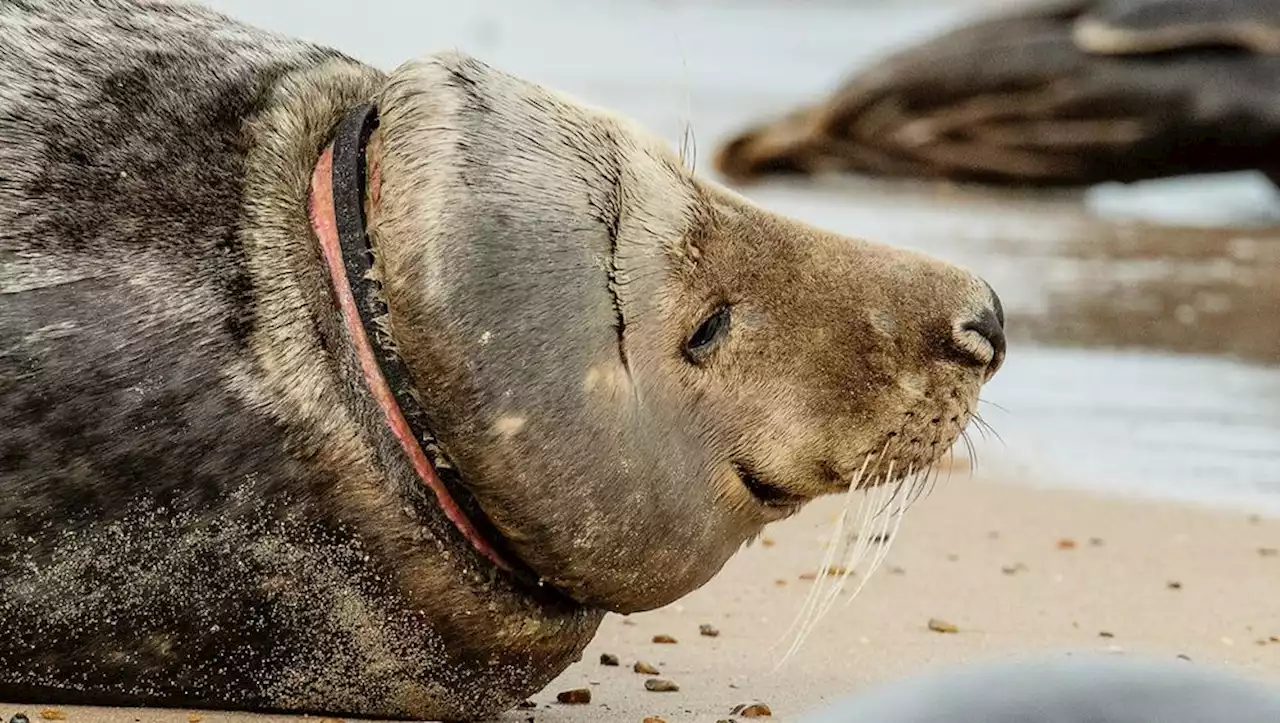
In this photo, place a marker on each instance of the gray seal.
(334, 390)
(1053, 93)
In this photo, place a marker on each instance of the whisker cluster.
(874, 521)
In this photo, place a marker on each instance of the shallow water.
(1144, 321)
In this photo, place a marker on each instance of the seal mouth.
(769, 495)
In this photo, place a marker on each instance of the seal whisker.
(805, 618)
(977, 418)
(803, 615)
(997, 406)
(862, 545)
(819, 612)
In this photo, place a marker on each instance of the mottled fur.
(195, 509)
(199, 501)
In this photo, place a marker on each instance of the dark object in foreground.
(1060, 93)
(1090, 688)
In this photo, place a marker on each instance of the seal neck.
(337, 212)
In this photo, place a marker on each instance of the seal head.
(633, 369)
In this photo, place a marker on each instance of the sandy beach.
(1013, 568)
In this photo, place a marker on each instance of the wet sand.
(983, 556)
(1144, 364)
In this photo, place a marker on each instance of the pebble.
(709, 631)
(1268, 551)
(754, 710)
(526, 705)
(577, 696)
(194, 718)
(1066, 544)
(664, 640)
(658, 685)
(1105, 634)
(1175, 585)
(53, 714)
(609, 659)
(941, 626)
(644, 668)
(1014, 569)
(19, 718)
(654, 719)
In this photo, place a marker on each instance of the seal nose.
(980, 339)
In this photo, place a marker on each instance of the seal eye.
(708, 334)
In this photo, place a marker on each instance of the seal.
(1056, 93)
(347, 392)
(1080, 688)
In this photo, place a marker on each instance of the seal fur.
(200, 502)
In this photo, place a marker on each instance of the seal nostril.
(990, 328)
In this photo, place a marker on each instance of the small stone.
(644, 668)
(1184, 656)
(952, 557)
(609, 659)
(659, 685)
(577, 696)
(780, 582)
(53, 714)
(1175, 585)
(1097, 541)
(654, 719)
(754, 710)
(708, 631)
(808, 576)
(1105, 634)
(726, 720)
(1274, 638)
(526, 705)
(1014, 569)
(194, 718)
(895, 570)
(664, 640)
(1066, 544)
(767, 541)
(1268, 551)
(628, 621)
(19, 718)
(941, 626)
